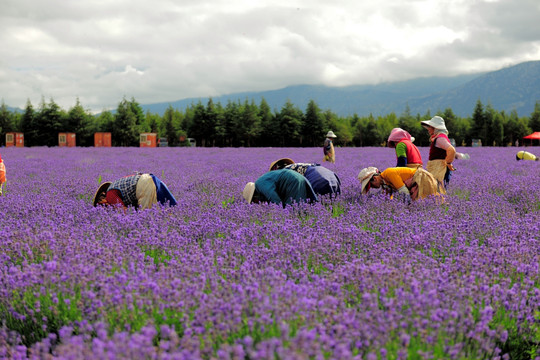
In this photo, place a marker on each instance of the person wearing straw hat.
(410, 183)
(441, 152)
(322, 180)
(328, 147)
(139, 190)
(280, 163)
(2, 174)
(281, 186)
(407, 153)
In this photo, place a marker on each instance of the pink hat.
(398, 134)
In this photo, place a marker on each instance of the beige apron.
(438, 169)
(146, 191)
(427, 184)
(331, 155)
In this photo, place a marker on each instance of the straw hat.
(331, 134)
(248, 192)
(436, 122)
(280, 163)
(365, 176)
(103, 187)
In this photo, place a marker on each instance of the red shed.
(14, 139)
(102, 139)
(67, 139)
(148, 140)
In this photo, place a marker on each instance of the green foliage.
(535, 117)
(36, 314)
(125, 131)
(248, 124)
(7, 122)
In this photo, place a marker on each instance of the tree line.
(246, 123)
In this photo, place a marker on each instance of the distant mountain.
(14, 110)
(516, 87)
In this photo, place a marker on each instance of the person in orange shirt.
(410, 183)
(2, 174)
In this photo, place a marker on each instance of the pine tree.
(313, 128)
(479, 129)
(290, 121)
(534, 122)
(78, 121)
(125, 131)
(7, 122)
(269, 124)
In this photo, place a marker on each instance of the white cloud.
(164, 50)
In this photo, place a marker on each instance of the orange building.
(67, 139)
(14, 139)
(148, 140)
(102, 139)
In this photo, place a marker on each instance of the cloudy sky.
(165, 50)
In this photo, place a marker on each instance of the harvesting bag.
(427, 184)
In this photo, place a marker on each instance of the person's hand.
(404, 190)
(451, 167)
(404, 194)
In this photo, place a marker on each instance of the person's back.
(284, 186)
(396, 176)
(525, 155)
(323, 180)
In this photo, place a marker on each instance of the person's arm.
(266, 188)
(450, 155)
(114, 197)
(396, 177)
(401, 153)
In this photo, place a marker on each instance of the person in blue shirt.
(322, 180)
(282, 186)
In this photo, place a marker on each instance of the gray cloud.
(154, 51)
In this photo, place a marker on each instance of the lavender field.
(216, 278)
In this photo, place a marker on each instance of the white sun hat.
(436, 122)
(365, 176)
(331, 134)
(248, 192)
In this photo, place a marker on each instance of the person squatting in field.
(410, 183)
(142, 190)
(525, 155)
(322, 180)
(328, 148)
(441, 152)
(2, 174)
(407, 153)
(282, 186)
